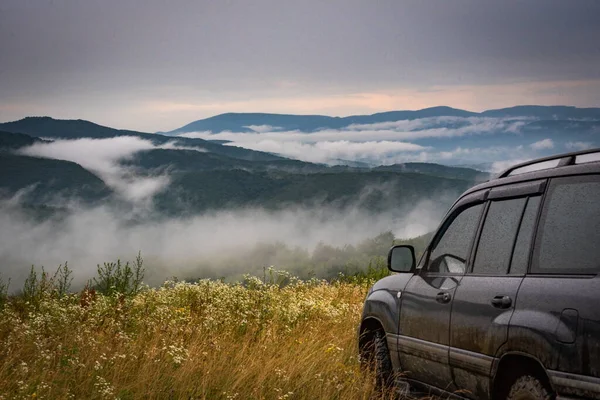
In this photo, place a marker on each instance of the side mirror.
(401, 259)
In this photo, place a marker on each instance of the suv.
(505, 301)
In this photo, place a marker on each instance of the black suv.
(505, 301)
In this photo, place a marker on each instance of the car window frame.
(533, 235)
(529, 188)
(489, 202)
(471, 200)
(470, 270)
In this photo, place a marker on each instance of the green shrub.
(38, 285)
(376, 270)
(124, 279)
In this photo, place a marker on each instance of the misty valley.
(150, 266)
(79, 192)
(230, 258)
(289, 200)
(236, 193)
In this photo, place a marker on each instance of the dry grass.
(208, 340)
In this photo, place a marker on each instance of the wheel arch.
(367, 329)
(511, 366)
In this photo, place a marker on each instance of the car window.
(498, 236)
(449, 252)
(568, 240)
(520, 258)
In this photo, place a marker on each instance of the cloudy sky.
(156, 65)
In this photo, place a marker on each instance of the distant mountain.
(240, 122)
(243, 122)
(546, 112)
(46, 127)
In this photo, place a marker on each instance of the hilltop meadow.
(269, 337)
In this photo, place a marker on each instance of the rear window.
(569, 232)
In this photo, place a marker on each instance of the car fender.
(535, 333)
(382, 302)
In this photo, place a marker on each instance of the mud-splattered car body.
(506, 298)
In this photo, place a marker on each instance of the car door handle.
(502, 302)
(443, 297)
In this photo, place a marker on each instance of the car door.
(424, 325)
(557, 318)
(484, 301)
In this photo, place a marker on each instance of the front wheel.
(528, 387)
(382, 361)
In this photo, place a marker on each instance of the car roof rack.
(555, 161)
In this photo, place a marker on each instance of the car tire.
(382, 361)
(528, 387)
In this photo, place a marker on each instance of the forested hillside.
(204, 176)
(46, 127)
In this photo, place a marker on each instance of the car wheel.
(382, 361)
(528, 387)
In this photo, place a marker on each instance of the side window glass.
(449, 252)
(520, 256)
(498, 236)
(568, 239)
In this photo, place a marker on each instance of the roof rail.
(561, 161)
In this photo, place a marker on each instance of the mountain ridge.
(241, 122)
(48, 127)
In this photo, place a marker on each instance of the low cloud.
(542, 144)
(103, 157)
(333, 152)
(423, 128)
(180, 247)
(446, 126)
(376, 144)
(263, 128)
(175, 146)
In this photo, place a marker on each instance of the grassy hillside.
(206, 340)
(268, 337)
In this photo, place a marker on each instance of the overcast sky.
(156, 65)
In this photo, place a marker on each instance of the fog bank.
(178, 247)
